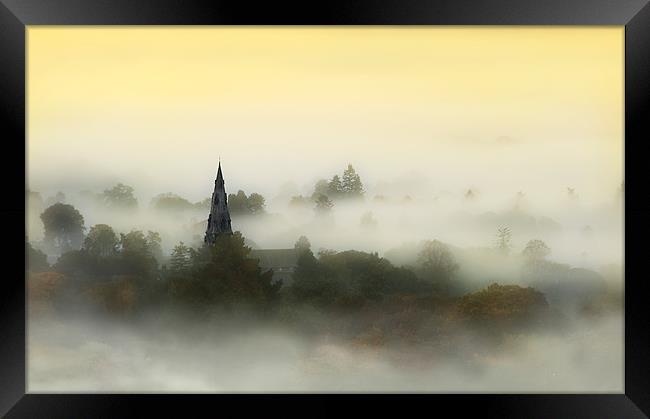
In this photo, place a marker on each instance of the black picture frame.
(15, 15)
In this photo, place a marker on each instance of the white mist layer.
(78, 356)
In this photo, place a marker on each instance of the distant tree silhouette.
(120, 196)
(302, 244)
(323, 204)
(536, 250)
(64, 227)
(351, 183)
(504, 240)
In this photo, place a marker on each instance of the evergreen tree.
(503, 242)
(180, 259)
(351, 184)
(335, 187)
(302, 245)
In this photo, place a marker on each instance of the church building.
(282, 261)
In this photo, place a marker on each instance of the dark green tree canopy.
(101, 241)
(64, 227)
(320, 188)
(240, 204)
(180, 260)
(36, 260)
(225, 274)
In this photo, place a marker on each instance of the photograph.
(324, 209)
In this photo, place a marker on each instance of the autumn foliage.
(504, 304)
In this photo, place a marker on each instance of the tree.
(138, 253)
(180, 261)
(536, 250)
(320, 188)
(64, 227)
(246, 205)
(502, 305)
(120, 196)
(335, 187)
(101, 241)
(349, 279)
(437, 261)
(133, 242)
(238, 203)
(323, 204)
(224, 274)
(302, 245)
(154, 244)
(36, 260)
(256, 204)
(351, 184)
(503, 242)
(170, 202)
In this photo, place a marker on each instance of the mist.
(480, 249)
(92, 352)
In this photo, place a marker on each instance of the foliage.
(223, 274)
(101, 257)
(335, 187)
(302, 244)
(101, 241)
(350, 278)
(347, 186)
(437, 265)
(246, 205)
(502, 304)
(120, 196)
(436, 259)
(323, 204)
(536, 250)
(351, 184)
(64, 227)
(170, 202)
(36, 260)
(504, 240)
(180, 261)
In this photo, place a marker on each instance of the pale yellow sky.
(158, 105)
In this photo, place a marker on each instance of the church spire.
(219, 218)
(219, 174)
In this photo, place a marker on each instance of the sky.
(498, 108)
